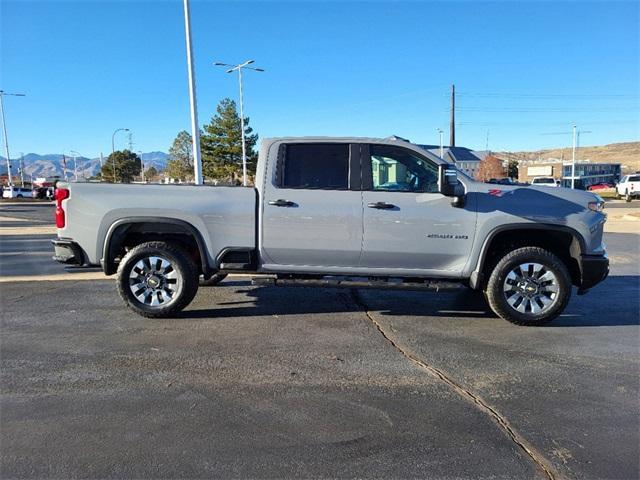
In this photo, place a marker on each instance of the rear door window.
(634, 178)
(319, 166)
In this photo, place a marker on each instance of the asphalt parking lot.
(296, 382)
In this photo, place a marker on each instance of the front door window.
(398, 170)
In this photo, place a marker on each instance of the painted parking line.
(56, 277)
(44, 230)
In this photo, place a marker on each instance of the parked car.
(504, 181)
(629, 187)
(600, 186)
(544, 182)
(16, 192)
(326, 212)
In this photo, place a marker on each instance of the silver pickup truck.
(340, 212)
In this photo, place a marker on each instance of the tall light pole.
(4, 129)
(239, 68)
(22, 169)
(573, 160)
(113, 150)
(195, 129)
(441, 143)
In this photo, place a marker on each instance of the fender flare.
(121, 226)
(476, 278)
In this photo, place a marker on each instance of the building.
(467, 160)
(586, 173)
(590, 173)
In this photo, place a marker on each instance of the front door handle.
(381, 205)
(281, 203)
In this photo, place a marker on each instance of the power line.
(546, 95)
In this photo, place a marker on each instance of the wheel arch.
(152, 228)
(565, 242)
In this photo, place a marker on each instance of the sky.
(525, 72)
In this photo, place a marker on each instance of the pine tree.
(127, 165)
(180, 164)
(221, 144)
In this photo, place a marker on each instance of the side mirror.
(447, 180)
(449, 184)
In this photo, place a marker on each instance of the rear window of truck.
(316, 166)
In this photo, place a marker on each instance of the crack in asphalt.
(482, 405)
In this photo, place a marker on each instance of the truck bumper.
(68, 252)
(593, 270)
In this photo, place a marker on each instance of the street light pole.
(239, 68)
(75, 163)
(195, 129)
(4, 129)
(573, 160)
(141, 165)
(113, 150)
(441, 143)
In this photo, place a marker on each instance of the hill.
(51, 164)
(627, 154)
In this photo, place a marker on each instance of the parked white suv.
(629, 187)
(16, 192)
(544, 182)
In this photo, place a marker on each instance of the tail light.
(61, 194)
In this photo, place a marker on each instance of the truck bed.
(224, 216)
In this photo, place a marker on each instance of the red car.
(600, 186)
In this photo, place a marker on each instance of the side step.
(333, 281)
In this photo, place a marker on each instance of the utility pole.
(452, 134)
(195, 129)
(4, 129)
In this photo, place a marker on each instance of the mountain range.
(51, 165)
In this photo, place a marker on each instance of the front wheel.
(627, 196)
(529, 286)
(157, 279)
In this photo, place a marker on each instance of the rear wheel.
(157, 279)
(529, 286)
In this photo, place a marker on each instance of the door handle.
(381, 205)
(281, 203)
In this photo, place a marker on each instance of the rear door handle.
(281, 203)
(381, 205)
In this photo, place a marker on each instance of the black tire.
(519, 293)
(19, 196)
(627, 197)
(214, 280)
(181, 268)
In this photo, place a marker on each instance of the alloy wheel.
(531, 288)
(155, 282)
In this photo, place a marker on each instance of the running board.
(81, 268)
(331, 281)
